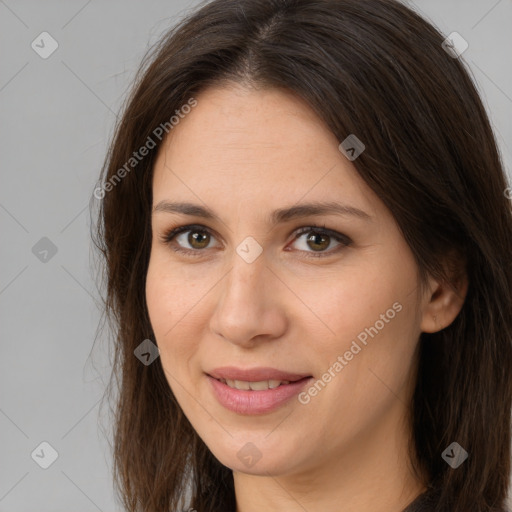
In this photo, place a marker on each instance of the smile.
(251, 397)
(254, 386)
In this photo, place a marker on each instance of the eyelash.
(344, 240)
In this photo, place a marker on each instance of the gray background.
(58, 115)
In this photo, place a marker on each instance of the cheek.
(169, 297)
(159, 299)
(368, 317)
(172, 303)
(353, 300)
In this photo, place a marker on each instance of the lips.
(249, 402)
(254, 374)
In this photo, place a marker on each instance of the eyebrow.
(277, 216)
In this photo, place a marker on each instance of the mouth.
(259, 374)
(263, 390)
(260, 385)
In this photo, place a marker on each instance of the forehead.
(232, 121)
(244, 146)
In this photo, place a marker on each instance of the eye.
(319, 239)
(199, 238)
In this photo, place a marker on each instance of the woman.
(307, 240)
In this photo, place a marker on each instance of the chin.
(257, 457)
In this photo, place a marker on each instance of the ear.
(444, 300)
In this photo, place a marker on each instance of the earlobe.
(443, 304)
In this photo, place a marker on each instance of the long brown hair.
(376, 69)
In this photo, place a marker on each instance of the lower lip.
(255, 402)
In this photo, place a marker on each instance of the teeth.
(254, 386)
(259, 386)
(240, 384)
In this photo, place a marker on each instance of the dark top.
(423, 503)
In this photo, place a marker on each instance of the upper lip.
(254, 374)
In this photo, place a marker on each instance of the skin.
(243, 153)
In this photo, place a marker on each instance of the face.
(326, 300)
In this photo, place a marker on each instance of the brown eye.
(190, 240)
(198, 239)
(318, 240)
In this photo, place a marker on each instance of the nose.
(249, 309)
